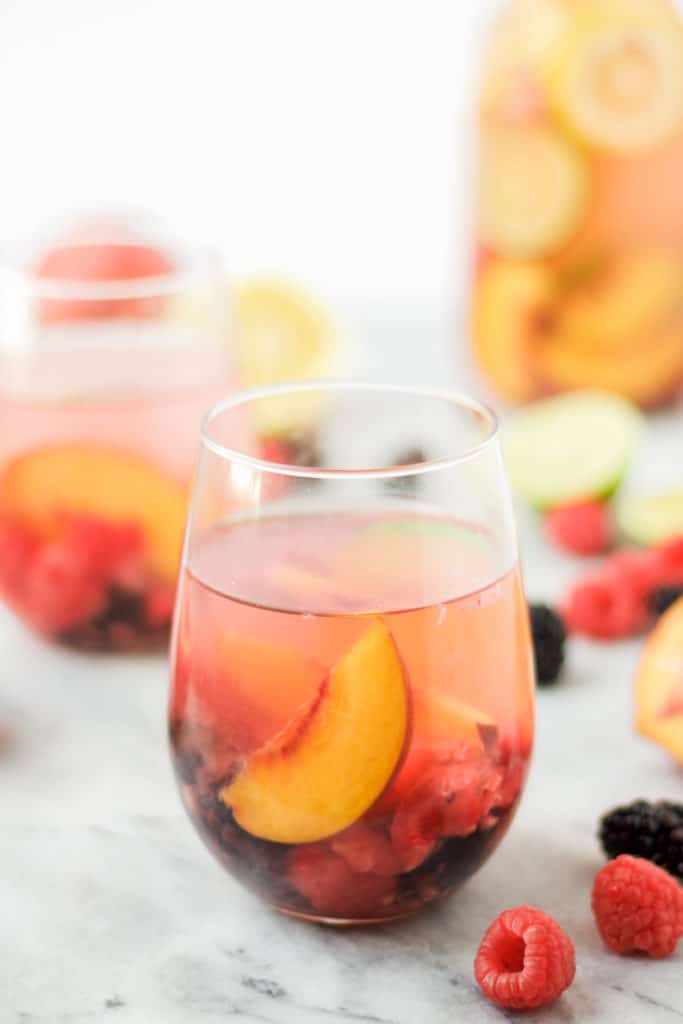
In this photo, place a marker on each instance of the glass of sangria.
(351, 711)
(110, 350)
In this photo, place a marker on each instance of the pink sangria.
(102, 385)
(351, 714)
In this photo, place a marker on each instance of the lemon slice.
(523, 37)
(282, 334)
(533, 191)
(618, 80)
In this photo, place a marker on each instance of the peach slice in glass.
(43, 487)
(337, 754)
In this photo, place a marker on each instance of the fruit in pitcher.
(524, 35)
(337, 754)
(570, 448)
(512, 315)
(659, 684)
(283, 334)
(619, 327)
(617, 79)
(533, 190)
(41, 489)
(81, 262)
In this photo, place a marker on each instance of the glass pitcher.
(578, 278)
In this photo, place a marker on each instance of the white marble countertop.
(112, 912)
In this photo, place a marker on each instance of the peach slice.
(512, 314)
(648, 372)
(336, 755)
(442, 727)
(259, 687)
(441, 718)
(659, 684)
(40, 488)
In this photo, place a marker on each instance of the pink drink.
(97, 448)
(277, 619)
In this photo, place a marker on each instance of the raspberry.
(61, 590)
(667, 563)
(333, 889)
(525, 960)
(366, 849)
(17, 548)
(273, 450)
(159, 604)
(582, 528)
(453, 798)
(108, 547)
(633, 569)
(605, 608)
(638, 907)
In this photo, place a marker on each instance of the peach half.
(659, 684)
(43, 487)
(335, 757)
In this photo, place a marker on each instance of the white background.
(328, 139)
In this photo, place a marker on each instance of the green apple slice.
(649, 519)
(573, 447)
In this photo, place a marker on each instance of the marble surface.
(112, 912)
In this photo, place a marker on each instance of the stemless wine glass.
(351, 714)
(110, 351)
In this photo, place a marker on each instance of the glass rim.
(193, 264)
(471, 405)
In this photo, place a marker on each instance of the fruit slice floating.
(335, 757)
(572, 447)
(39, 489)
(283, 334)
(648, 373)
(622, 302)
(651, 518)
(258, 687)
(533, 191)
(659, 684)
(618, 80)
(512, 312)
(523, 39)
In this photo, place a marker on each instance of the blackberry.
(662, 599)
(549, 636)
(642, 829)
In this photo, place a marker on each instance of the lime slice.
(572, 447)
(651, 518)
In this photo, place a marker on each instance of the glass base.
(340, 922)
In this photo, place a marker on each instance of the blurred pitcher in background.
(579, 258)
